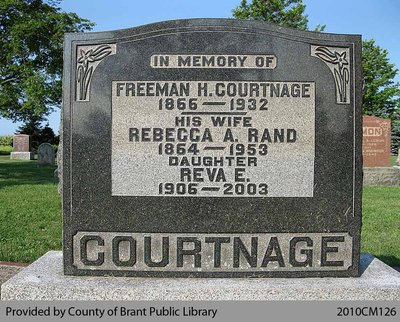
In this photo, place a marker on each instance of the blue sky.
(370, 18)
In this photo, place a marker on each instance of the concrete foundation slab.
(44, 280)
(383, 176)
(22, 156)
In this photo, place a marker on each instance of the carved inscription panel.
(221, 139)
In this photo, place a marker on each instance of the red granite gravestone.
(376, 142)
(21, 143)
(21, 148)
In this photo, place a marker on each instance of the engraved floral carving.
(337, 60)
(88, 58)
(385, 126)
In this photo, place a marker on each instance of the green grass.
(381, 223)
(30, 215)
(30, 210)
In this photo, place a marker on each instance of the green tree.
(381, 93)
(31, 56)
(33, 127)
(39, 133)
(287, 13)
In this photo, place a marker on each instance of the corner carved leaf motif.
(337, 59)
(385, 127)
(88, 58)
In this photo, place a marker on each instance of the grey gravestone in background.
(21, 148)
(212, 148)
(45, 154)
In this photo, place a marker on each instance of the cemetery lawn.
(381, 223)
(30, 210)
(30, 215)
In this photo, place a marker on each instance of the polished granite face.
(212, 148)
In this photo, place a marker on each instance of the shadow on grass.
(390, 260)
(24, 172)
(367, 258)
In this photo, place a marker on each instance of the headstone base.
(44, 280)
(22, 156)
(382, 176)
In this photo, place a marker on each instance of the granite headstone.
(21, 143)
(46, 155)
(212, 148)
(376, 142)
(21, 148)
